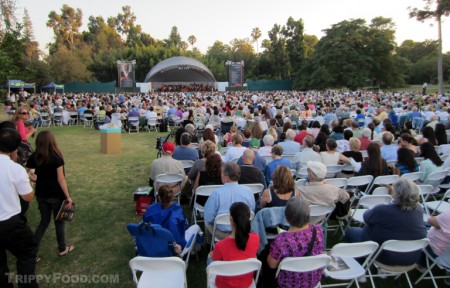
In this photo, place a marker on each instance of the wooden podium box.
(110, 142)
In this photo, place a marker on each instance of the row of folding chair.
(172, 271)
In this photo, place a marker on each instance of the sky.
(211, 20)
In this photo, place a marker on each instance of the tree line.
(352, 53)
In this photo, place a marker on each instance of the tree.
(256, 34)
(8, 18)
(192, 39)
(125, 20)
(442, 8)
(67, 66)
(414, 51)
(174, 39)
(295, 45)
(66, 25)
(278, 53)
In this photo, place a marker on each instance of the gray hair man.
(307, 154)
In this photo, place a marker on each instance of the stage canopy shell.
(180, 69)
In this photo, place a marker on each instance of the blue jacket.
(171, 218)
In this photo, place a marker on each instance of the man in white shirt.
(16, 236)
(307, 154)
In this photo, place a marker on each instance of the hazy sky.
(211, 20)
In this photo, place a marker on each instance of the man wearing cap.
(166, 164)
(318, 192)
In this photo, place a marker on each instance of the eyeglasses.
(24, 113)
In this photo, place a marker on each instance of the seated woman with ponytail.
(240, 245)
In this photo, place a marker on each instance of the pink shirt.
(440, 238)
(23, 131)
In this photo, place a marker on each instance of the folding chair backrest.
(370, 201)
(359, 181)
(384, 179)
(256, 188)
(169, 271)
(206, 190)
(404, 246)
(354, 250)
(338, 182)
(232, 268)
(303, 264)
(332, 170)
(152, 240)
(436, 178)
(413, 176)
(300, 182)
(380, 191)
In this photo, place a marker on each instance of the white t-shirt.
(14, 181)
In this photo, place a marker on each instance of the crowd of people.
(236, 138)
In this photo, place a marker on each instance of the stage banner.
(126, 73)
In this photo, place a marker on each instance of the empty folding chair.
(159, 272)
(439, 206)
(413, 176)
(385, 179)
(333, 170)
(365, 203)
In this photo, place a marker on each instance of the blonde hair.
(354, 144)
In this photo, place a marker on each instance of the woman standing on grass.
(51, 187)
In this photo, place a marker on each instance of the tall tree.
(192, 39)
(8, 18)
(174, 39)
(434, 9)
(278, 53)
(66, 25)
(295, 45)
(256, 34)
(31, 46)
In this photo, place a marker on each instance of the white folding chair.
(302, 173)
(88, 119)
(256, 188)
(442, 262)
(268, 159)
(187, 165)
(44, 119)
(189, 248)
(163, 179)
(234, 160)
(133, 124)
(400, 246)
(73, 118)
(385, 179)
(198, 209)
(159, 272)
(347, 252)
(380, 191)
(333, 170)
(413, 176)
(57, 119)
(365, 203)
(436, 179)
(320, 213)
(304, 264)
(338, 182)
(439, 206)
(300, 182)
(289, 157)
(444, 149)
(223, 219)
(152, 122)
(231, 268)
(356, 182)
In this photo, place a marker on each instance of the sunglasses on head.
(23, 113)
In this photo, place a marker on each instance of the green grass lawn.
(101, 186)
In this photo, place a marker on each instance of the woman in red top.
(240, 245)
(22, 116)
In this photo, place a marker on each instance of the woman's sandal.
(69, 248)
